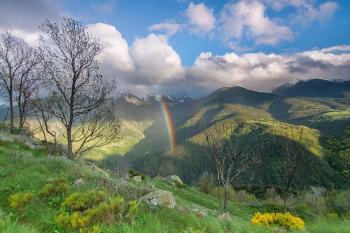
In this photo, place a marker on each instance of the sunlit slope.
(233, 105)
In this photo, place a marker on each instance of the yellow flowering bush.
(81, 201)
(286, 220)
(84, 212)
(20, 200)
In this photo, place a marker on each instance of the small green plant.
(133, 208)
(81, 201)
(89, 220)
(54, 188)
(206, 182)
(20, 201)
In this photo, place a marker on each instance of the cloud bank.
(151, 65)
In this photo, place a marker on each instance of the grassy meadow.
(27, 170)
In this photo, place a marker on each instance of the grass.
(26, 170)
(337, 115)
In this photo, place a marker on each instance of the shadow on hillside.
(279, 109)
(191, 161)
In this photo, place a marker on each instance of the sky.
(183, 47)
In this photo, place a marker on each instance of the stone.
(137, 179)
(159, 199)
(176, 180)
(200, 213)
(224, 217)
(79, 182)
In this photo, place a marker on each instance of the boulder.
(159, 199)
(137, 179)
(225, 217)
(99, 170)
(176, 180)
(79, 182)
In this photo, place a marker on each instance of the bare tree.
(97, 128)
(17, 61)
(292, 159)
(77, 89)
(229, 157)
(27, 84)
(41, 110)
(121, 165)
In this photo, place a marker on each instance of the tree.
(293, 153)
(17, 79)
(228, 155)
(41, 110)
(78, 91)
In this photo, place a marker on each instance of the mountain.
(263, 116)
(314, 88)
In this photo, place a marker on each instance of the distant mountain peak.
(154, 99)
(314, 88)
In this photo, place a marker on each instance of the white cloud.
(306, 11)
(261, 71)
(247, 19)
(28, 15)
(166, 28)
(116, 51)
(156, 61)
(201, 18)
(32, 38)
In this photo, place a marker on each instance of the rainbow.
(169, 125)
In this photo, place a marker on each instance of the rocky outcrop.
(174, 179)
(159, 199)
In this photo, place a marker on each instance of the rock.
(159, 199)
(5, 137)
(225, 217)
(79, 182)
(176, 180)
(137, 179)
(200, 213)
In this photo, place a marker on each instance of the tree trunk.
(225, 198)
(285, 201)
(11, 111)
(69, 141)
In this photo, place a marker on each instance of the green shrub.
(272, 197)
(339, 202)
(219, 192)
(243, 197)
(331, 217)
(81, 201)
(7, 225)
(314, 202)
(90, 219)
(133, 173)
(20, 201)
(206, 182)
(54, 188)
(133, 208)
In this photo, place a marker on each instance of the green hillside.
(264, 117)
(24, 170)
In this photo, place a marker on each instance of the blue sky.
(133, 19)
(193, 47)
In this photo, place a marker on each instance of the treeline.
(59, 80)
